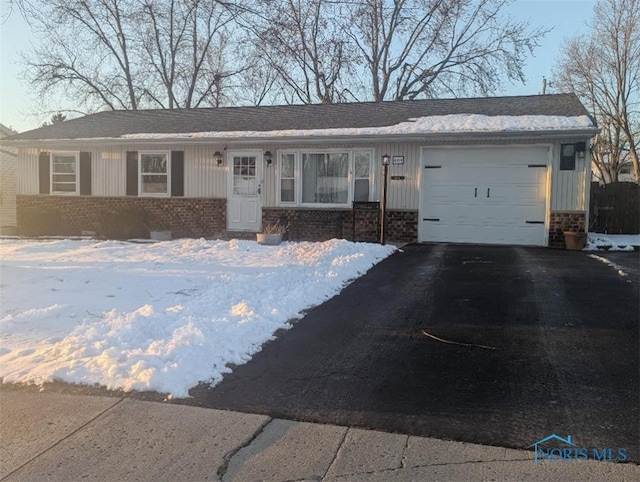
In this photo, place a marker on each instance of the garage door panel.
(484, 195)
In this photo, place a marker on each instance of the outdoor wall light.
(385, 159)
(581, 149)
(268, 157)
(218, 158)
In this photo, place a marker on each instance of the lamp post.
(383, 202)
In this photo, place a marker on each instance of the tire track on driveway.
(582, 351)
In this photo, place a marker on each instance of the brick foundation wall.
(402, 226)
(320, 225)
(564, 221)
(204, 217)
(184, 217)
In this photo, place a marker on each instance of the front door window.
(244, 176)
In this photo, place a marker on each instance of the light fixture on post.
(383, 203)
(217, 157)
(268, 157)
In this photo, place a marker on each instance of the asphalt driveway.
(492, 345)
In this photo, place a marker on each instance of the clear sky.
(19, 107)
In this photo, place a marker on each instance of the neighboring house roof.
(317, 119)
(5, 131)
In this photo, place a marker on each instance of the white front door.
(486, 195)
(244, 209)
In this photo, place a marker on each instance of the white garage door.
(487, 195)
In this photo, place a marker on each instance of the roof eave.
(430, 137)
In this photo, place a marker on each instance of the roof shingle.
(114, 124)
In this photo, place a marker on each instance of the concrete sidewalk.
(48, 436)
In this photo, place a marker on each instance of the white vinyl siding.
(8, 162)
(568, 188)
(205, 179)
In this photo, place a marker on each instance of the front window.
(287, 178)
(362, 175)
(325, 178)
(64, 173)
(154, 173)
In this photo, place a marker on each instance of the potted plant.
(271, 234)
(575, 240)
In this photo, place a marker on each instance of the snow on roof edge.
(454, 123)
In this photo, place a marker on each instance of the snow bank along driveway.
(161, 316)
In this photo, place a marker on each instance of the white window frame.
(296, 177)
(140, 174)
(298, 155)
(371, 171)
(75, 154)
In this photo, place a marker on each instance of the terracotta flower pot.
(575, 241)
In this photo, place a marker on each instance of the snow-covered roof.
(560, 112)
(422, 125)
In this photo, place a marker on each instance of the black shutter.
(85, 173)
(132, 173)
(44, 172)
(177, 173)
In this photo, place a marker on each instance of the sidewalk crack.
(403, 459)
(335, 456)
(222, 469)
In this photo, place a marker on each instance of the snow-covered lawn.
(161, 316)
(612, 242)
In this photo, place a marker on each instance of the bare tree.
(87, 52)
(184, 42)
(430, 48)
(332, 51)
(603, 68)
(303, 41)
(128, 54)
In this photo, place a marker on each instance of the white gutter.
(262, 140)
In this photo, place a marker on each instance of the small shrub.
(275, 228)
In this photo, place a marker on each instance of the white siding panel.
(568, 187)
(8, 163)
(108, 172)
(27, 171)
(401, 193)
(202, 175)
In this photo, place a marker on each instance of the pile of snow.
(162, 316)
(608, 262)
(421, 125)
(612, 242)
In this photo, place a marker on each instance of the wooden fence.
(615, 208)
